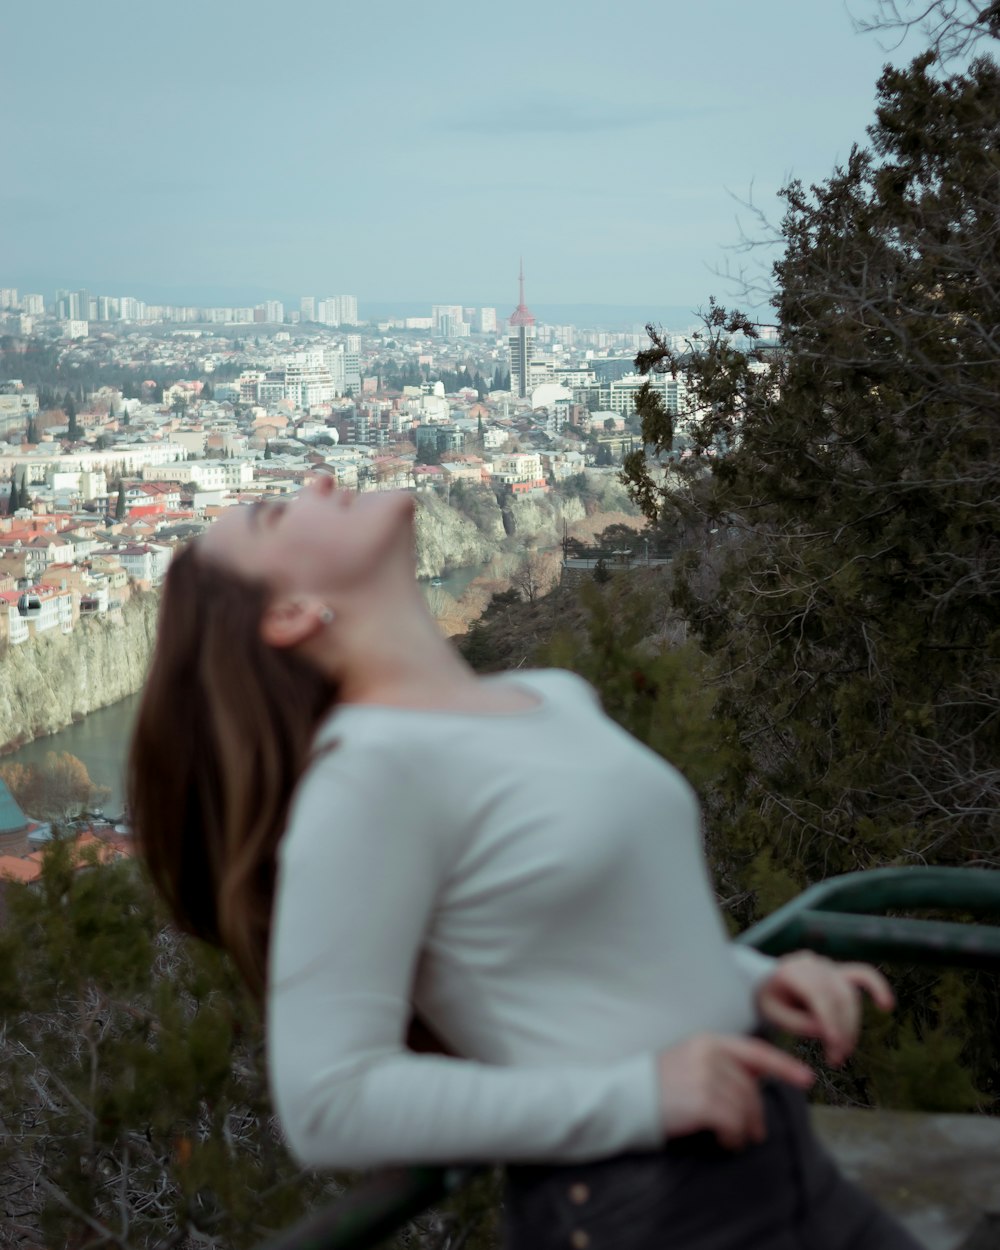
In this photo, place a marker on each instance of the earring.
(326, 615)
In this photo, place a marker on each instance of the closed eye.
(266, 513)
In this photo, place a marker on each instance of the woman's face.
(321, 541)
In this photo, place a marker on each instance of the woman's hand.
(712, 1082)
(811, 996)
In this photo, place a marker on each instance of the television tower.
(522, 344)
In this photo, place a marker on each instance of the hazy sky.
(205, 149)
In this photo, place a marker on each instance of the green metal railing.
(843, 918)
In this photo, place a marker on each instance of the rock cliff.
(57, 679)
(472, 528)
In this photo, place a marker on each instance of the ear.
(287, 622)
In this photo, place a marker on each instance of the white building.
(338, 310)
(486, 321)
(145, 561)
(620, 395)
(130, 458)
(47, 608)
(518, 466)
(16, 409)
(237, 473)
(306, 384)
(205, 474)
(18, 630)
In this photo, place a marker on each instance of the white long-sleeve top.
(533, 885)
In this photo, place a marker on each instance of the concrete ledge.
(939, 1174)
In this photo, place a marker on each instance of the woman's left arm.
(811, 996)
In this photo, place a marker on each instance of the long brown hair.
(222, 736)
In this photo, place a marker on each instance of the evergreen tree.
(141, 1051)
(267, 451)
(121, 509)
(134, 1100)
(840, 520)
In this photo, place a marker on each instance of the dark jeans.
(784, 1194)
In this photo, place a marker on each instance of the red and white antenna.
(521, 316)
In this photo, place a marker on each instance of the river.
(100, 740)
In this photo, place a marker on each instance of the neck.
(387, 648)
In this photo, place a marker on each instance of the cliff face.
(473, 528)
(56, 679)
(448, 539)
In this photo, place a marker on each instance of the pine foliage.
(133, 1110)
(839, 518)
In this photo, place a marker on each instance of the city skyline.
(412, 155)
(596, 316)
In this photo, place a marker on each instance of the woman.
(494, 857)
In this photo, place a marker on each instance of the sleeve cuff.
(643, 1088)
(754, 966)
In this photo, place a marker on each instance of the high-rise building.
(446, 318)
(132, 309)
(307, 307)
(8, 297)
(522, 344)
(68, 305)
(34, 305)
(486, 321)
(337, 310)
